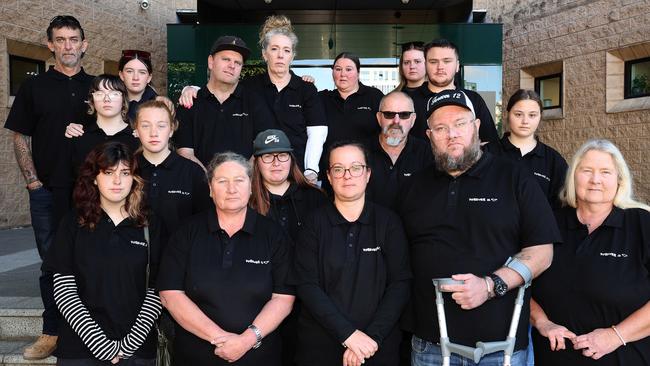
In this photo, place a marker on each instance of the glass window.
(637, 78)
(549, 89)
(21, 68)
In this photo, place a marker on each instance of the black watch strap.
(500, 286)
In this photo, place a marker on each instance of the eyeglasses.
(441, 131)
(282, 157)
(113, 94)
(339, 171)
(415, 45)
(144, 55)
(391, 114)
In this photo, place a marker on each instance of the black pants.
(133, 361)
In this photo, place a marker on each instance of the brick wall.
(110, 26)
(580, 33)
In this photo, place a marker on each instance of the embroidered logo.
(542, 176)
(271, 138)
(256, 261)
(178, 191)
(482, 199)
(375, 249)
(140, 243)
(407, 174)
(240, 114)
(295, 106)
(614, 255)
(364, 108)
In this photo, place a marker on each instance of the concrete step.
(20, 322)
(11, 354)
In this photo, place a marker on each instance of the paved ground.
(19, 269)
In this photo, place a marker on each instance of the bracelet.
(258, 336)
(619, 335)
(487, 284)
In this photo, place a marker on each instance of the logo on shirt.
(295, 106)
(178, 191)
(365, 108)
(256, 261)
(542, 176)
(140, 243)
(271, 138)
(240, 114)
(375, 249)
(482, 199)
(407, 174)
(614, 255)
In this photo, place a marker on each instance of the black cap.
(271, 141)
(232, 43)
(449, 97)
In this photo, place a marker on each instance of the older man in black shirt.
(44, 105)
(464, 221)
(394, 155)
(226, 115)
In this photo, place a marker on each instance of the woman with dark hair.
(352, 272)
(105, 260)
(592, 306)
(135, 70)
(107, 103)
(412, 73)
(223, 277)
(521, 144)
(282, 193)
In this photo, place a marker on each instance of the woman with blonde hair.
(593, 303)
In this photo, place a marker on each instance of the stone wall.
(110, 26)
(580, 33)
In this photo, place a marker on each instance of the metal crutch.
(482, 348)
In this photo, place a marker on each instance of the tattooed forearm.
(24, 157)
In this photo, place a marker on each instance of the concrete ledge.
(11, 354)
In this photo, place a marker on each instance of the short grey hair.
(225, 157)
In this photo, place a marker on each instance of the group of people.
(278, 225)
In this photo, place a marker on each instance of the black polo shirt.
(471, 224)
(350, 275)
(487, 131)
(296, 107)
(386, 177)
(176, 189)
(230, 279)
(109, 266)
(546, 164)
(596, 281)
(149, 94)
(210, 127)
(44, 106)
(292, 208)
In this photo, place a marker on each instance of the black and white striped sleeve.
(149, 312)
(75, 313)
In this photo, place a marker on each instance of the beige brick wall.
(580, 33)
(110, 26)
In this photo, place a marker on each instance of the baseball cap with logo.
(231, 43)
(449, 97)
(271, 141)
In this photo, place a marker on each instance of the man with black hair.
(442, 62)
(44, 106)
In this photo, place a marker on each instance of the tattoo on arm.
(523, 256)
(24, 157)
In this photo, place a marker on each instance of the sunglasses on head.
(415, 45)
(144, 55)
(391, 114)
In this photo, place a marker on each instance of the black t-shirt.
(487, 131)
(291, 209)
(296, 107)
(44, 106)
(350, 275)
(109, 265)
(230, 279)
(546, 164)
(596, 280)
(149, 94)
(471, 224)
(386, 177)
(176, 189)
(210, 127)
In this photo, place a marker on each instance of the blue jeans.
(428, 354)
(41, 205)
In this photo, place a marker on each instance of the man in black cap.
(478, 219)
(226, 116)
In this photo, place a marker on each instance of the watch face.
(501, 289)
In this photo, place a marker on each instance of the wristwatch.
(258, 336)
(500, 287)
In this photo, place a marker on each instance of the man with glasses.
(394, 156)
(226, 115)
(442, 63)
(478, 219)
(43, 107)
